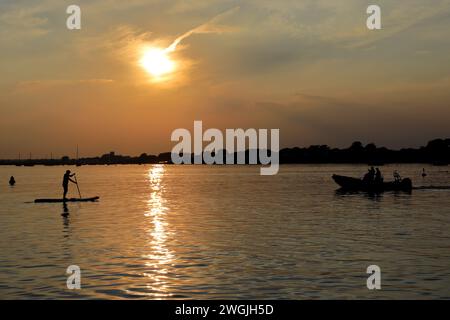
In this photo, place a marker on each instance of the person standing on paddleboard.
(66, 180)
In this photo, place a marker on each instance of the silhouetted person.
(65, 183)
(378, 176)
(367, 176)
(370, 175)
(12, 181)
(397, 177)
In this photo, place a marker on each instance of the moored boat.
(355, 184)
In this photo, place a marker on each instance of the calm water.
(210, 232)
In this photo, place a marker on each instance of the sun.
(157, 62)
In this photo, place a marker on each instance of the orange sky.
(309, 68)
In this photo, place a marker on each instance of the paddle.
(78, 188)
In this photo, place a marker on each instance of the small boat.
(355, 184)
(93, 199)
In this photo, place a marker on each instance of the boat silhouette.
(356, 184)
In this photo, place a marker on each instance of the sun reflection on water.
(159, 257)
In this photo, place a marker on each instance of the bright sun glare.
(157, 62)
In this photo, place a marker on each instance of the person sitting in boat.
(367, 176)
(12, 181)
(397, 177)
(378, 176)
(66, 180)
(370, 175)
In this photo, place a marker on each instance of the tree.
(356, 146)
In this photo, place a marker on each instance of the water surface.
(222, 232)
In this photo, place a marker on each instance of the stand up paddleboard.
(93, 199)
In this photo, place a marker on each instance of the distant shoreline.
(246, 164)
(436, 152)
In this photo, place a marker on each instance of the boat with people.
(373, 182)
(356, 184)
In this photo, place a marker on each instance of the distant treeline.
(435, 152)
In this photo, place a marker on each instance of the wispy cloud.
(212, 26)
(31, 85)
(23, 22)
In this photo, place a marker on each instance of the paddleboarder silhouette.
(66, 180)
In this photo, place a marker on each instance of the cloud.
(36, 85)
(21, 22)
(212, 26)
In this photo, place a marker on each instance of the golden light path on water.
(159, 256)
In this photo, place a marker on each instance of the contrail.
(208, 27)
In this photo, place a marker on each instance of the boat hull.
(355, 184)
(93, 199)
